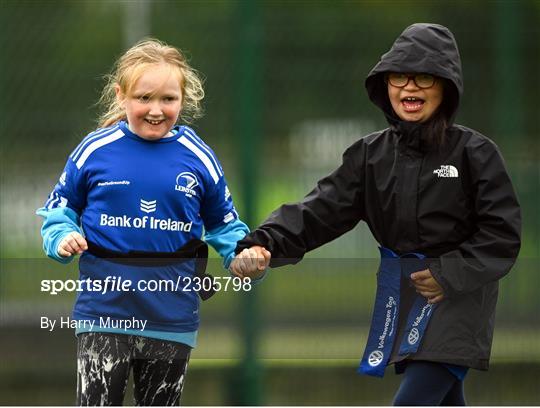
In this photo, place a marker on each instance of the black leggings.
(426, 383)
(104, 361)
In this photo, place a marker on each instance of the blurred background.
(284, 98)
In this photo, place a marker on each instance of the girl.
(439, 201)
(133, 200)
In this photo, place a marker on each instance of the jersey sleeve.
(62, 209)
(70, 190)
(57, 223)
(217, 209)
(223, 239)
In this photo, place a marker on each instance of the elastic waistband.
(193, 250)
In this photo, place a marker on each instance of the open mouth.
(412, 104)
(154, 122)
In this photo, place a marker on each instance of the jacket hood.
(426, 48)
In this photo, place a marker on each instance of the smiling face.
(154, 102)
(414, 104)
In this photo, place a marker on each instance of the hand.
(427, 286)
(251, 263)
(72, 244)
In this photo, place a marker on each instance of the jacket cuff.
(435, 268)
(256, 237)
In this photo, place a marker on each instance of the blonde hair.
(129, 68)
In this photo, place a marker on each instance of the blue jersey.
(134, 194)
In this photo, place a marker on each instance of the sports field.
(301, 103)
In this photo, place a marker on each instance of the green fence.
(287, 76)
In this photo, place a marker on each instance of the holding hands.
(427, 286)
(72, 244)
(251, 263)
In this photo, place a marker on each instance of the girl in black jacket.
(439, 201)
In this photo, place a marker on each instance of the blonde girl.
(142, 186)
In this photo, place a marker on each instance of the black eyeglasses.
(400, 80)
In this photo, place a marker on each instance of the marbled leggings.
(104, 361)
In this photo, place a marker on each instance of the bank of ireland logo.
(413, 337)
(375, 358)
(186, 183)
(148, 206)
(446, 171)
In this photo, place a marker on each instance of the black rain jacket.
(455, 203)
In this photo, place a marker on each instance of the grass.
(335, 347)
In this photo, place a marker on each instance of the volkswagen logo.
(375, 358)
(414, 335)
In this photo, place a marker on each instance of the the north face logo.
(446, 171)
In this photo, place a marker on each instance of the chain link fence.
(315, 56)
